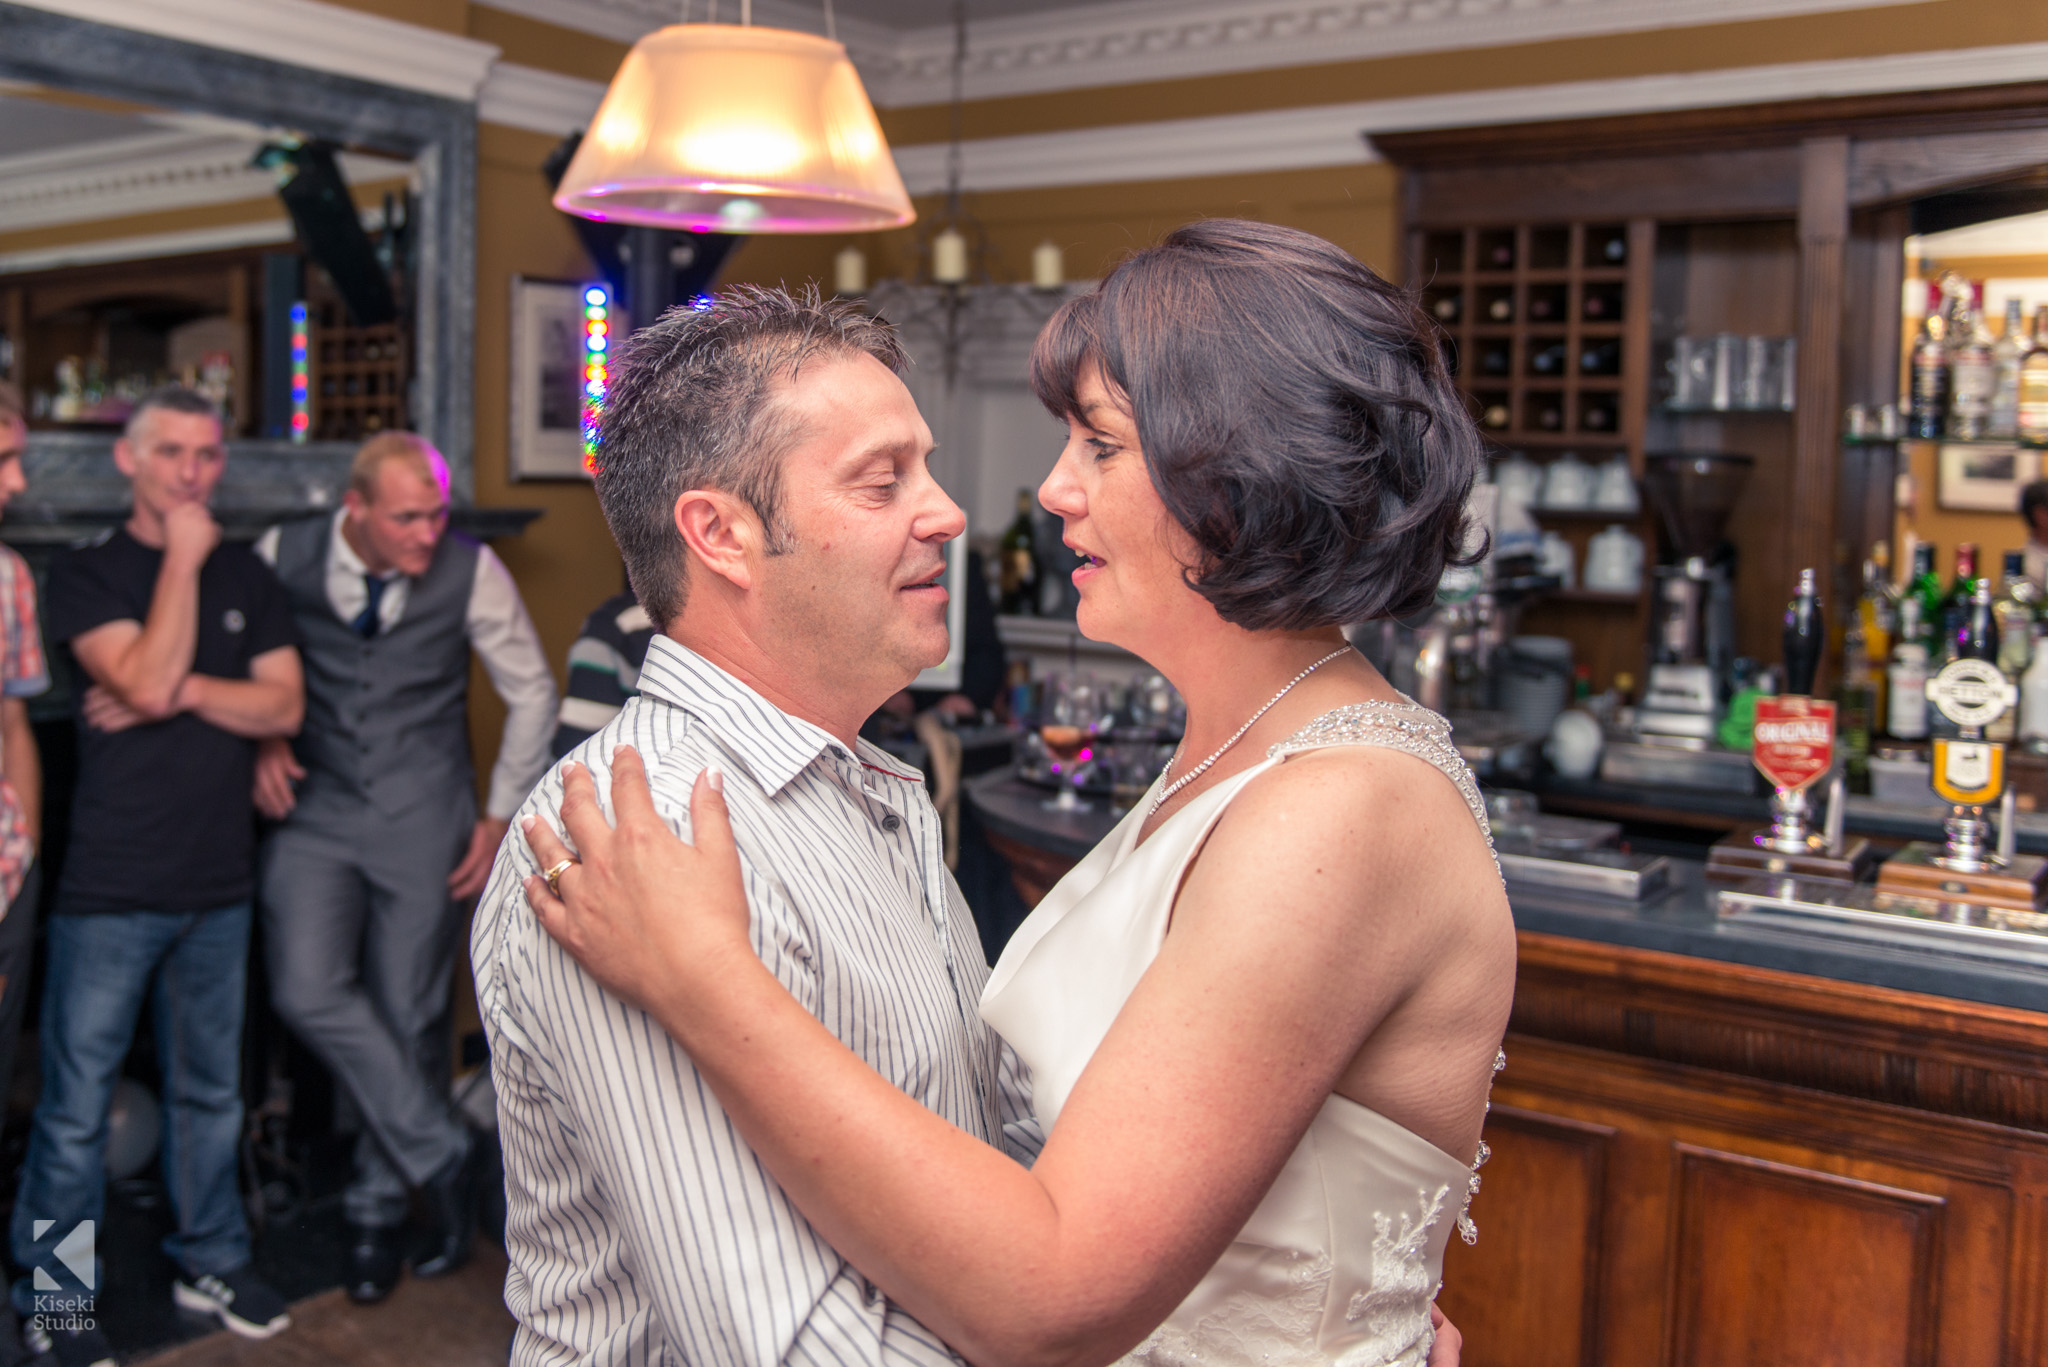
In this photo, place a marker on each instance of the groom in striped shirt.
(764, 472)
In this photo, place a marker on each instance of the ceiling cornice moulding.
(1127, 42)
(1338, 135)
(306, 33)
(149, 173)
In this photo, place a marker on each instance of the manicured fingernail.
(716, 779)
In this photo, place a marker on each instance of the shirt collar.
(343, 556)
(773, 745)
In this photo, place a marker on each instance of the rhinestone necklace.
(1166, 793)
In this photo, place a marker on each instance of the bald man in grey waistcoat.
(380, 840)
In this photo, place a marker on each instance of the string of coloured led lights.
(302, 421)
(596, 342)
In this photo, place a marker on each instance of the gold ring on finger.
(555, 872)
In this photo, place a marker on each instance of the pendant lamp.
(723, 128)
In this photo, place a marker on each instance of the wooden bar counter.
(1722, 1146)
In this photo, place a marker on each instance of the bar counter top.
(1680, 921)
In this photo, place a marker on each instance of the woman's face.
(1132, 590)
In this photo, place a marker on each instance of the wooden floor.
(456, 1321)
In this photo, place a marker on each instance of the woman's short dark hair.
(1296, 417)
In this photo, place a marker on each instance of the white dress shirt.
(641, 1228)
(500, 632)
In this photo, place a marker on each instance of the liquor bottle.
(1877, 617)
(1857, 704)
(1930, 380)
(1971, 377)
(1954, 606)
(1920, 609)
(2013, 612)
(2006, 354)
(2034, 702)
(2017, 607)
(1906, 718)
(1019, 574)
(2033, 407)
(1804, 637)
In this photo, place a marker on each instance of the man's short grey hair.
(171, 398)
(692, 402)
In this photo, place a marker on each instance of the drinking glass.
(1066, 714)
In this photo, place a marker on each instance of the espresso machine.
(1692, 624)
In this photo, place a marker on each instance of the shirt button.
(892, 823)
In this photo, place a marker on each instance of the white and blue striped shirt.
(641, 1228)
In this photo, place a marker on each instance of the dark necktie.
(366, 621)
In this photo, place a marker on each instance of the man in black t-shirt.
(191, 655)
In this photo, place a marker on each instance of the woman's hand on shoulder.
(645, 912)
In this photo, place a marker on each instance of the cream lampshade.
(735, 129)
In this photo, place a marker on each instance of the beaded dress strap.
(1406, 726)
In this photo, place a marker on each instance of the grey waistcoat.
(387, 719)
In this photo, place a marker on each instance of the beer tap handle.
(1805, 635)
(2008, 835)
(1832, 826)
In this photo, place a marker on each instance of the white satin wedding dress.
(1339, 1263)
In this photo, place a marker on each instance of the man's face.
(172, 458)
(400, 524)
(13, 441)
(858, 600)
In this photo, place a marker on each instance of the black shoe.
(69, 1347)
(243, 1302)
(374, 1264)
(450, 1200)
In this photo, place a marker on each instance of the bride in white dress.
(1262, 1017)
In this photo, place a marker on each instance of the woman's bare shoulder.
(1364, 831)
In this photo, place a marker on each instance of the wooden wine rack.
(1543, 275)
(357, 376)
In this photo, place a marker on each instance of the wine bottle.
(1549, 412)
(1496, 358)
(1600, 357)
(1448, 307)
(1019, 574)
(1955, 604)
(1501, 308)
(1804, 637)
(1548, 359)
(1494, 417)
(1920, 612)
(1596, 413)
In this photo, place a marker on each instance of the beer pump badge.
(1794, 740)
(1973, 694)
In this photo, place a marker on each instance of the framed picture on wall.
(1984, 479)
(547, 380)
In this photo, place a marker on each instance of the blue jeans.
(100, 973)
